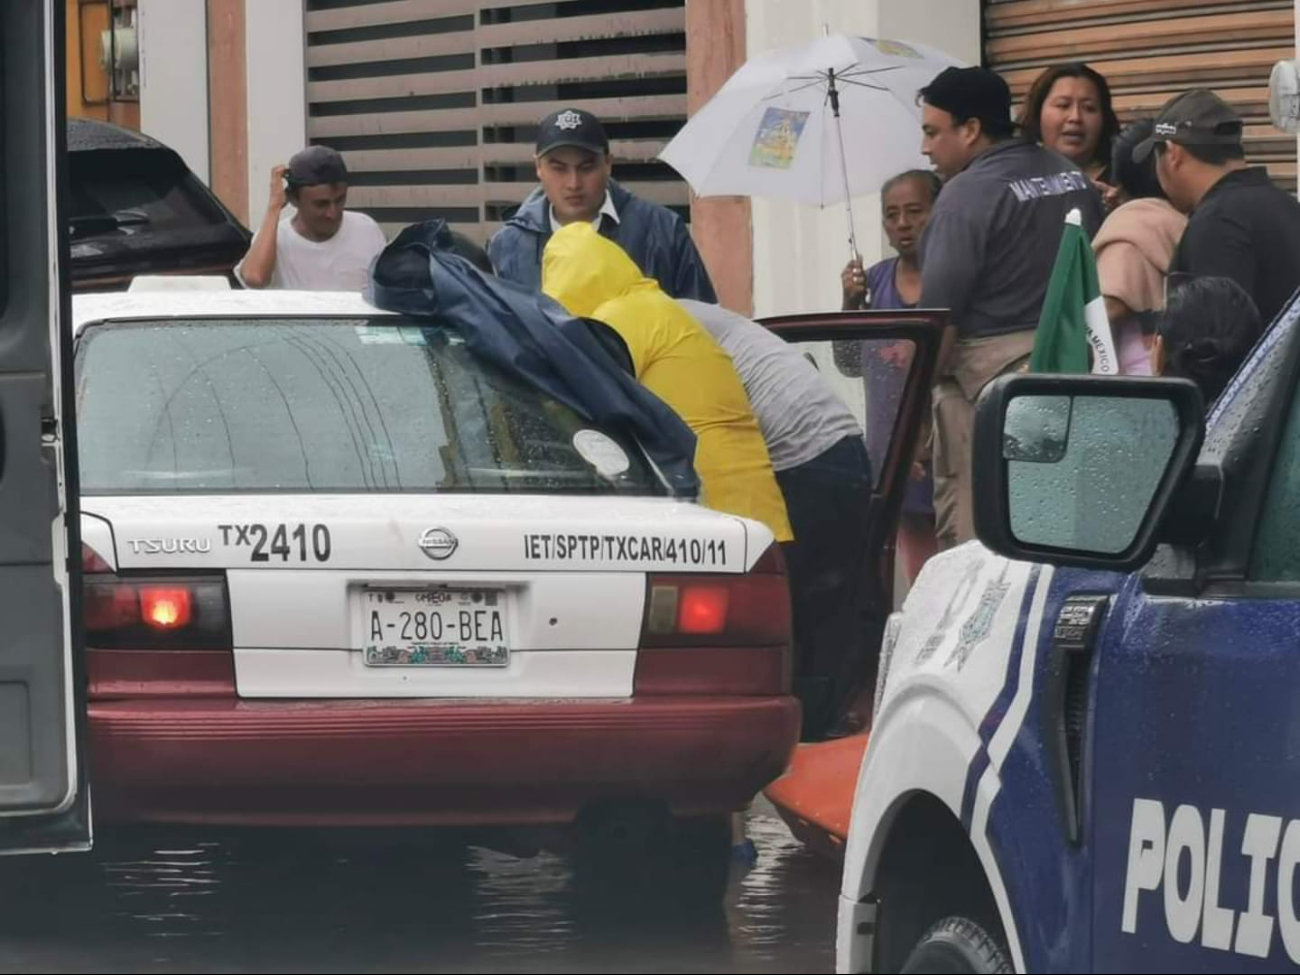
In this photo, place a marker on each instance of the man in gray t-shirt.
(798, 412)
(987, 256)
(820, 459)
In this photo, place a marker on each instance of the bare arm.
(1116, 310)
(258, 267)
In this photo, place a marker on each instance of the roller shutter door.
(1150, 50)
(435, 103)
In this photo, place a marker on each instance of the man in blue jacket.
(574, 166)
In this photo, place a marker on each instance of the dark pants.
(827, 500)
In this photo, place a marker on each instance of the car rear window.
(127, 192)
(325, 405)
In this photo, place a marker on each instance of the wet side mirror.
(1080, 470)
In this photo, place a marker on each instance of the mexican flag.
(1074, 314)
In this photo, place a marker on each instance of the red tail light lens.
(702, 609)
(109, 607)
(719, 610)
(92, 561)
(166, 609)
(157, 613)
(717, 634)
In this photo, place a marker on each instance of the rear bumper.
(426, 762)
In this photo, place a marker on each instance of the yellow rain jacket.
(678, 361)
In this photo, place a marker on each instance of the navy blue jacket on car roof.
(529, 335)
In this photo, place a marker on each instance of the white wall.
(816, 241)
(174, 77)
(277, 92)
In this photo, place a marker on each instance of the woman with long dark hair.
(1069, 109)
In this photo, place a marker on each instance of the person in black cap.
(574, 167)
(322, 246)
(1242, 226)
(987, 256)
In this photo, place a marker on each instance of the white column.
(173, 36)
(798, 249)
(950, 25)
(276, 42)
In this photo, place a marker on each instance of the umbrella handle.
(833, 94)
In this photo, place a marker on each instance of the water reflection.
(177, 901)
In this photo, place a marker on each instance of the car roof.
(239, 304)
(85, 135)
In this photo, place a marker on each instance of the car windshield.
(325, 405)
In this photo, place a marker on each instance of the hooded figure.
(678, 361)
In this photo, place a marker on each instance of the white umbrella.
(818, 124)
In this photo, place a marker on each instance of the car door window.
(870, 376)
(1276, 557)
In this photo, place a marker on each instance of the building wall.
(228, 104)
(435, 103)
(799, 250)
(89, 90)
(224, 83)
(173, 95)
(715, 48)
(277, 101)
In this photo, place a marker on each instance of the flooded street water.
(203, 901)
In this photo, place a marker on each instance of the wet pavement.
(199, 901)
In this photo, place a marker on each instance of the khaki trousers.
(974, 363)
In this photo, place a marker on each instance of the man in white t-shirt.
(322, 246)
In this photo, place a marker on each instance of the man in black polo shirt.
(1242, 226)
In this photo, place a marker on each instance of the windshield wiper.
(101, 223)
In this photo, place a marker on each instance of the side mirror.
(1080, 470)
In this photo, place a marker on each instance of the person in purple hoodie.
(895, 283)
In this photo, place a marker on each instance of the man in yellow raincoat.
(678, 361)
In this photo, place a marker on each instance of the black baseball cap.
(572, 127)
(967, 93)
(316, 166)
(1195, 118)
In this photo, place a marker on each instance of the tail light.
(717, 635)
(92, 561)
(154, 612)
(720, 610)
(166, 607)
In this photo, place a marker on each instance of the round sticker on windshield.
(601, 452)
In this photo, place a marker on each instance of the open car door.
(43, 795)
(881, 363)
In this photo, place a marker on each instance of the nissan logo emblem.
(438, 543)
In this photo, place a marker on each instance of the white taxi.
(339, 571)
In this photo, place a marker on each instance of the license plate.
(435, 628)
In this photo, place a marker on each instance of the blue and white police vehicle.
(1086, 748)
